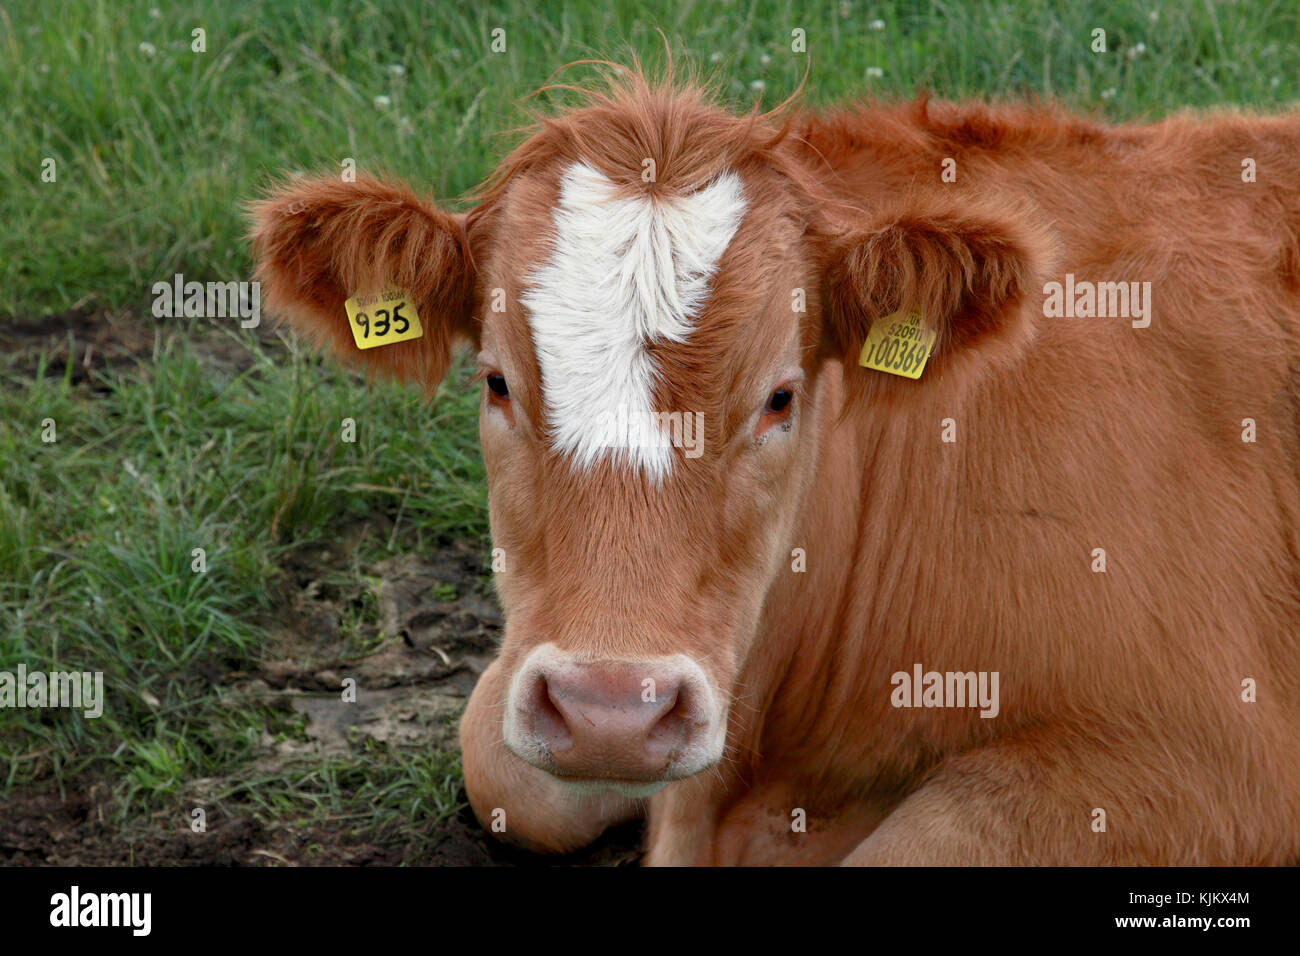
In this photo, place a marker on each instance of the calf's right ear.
(318, 242)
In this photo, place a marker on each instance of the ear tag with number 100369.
(383, 318)
(899, 344)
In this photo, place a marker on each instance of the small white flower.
(1107, 94)
(1154, 16)
(1275, 82)
(876, 25)
(1136, 50)
(765, 59)
(715, 57)
(147, 48)
(875, 71)
(396, 69)
(382, 102)
(757, 86)
(45, 68)
(154, 13)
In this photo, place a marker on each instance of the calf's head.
(656, 292)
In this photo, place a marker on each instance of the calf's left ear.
(318, 242)
(969, 272)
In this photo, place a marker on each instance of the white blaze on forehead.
(623, 272)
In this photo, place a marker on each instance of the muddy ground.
(438, 629)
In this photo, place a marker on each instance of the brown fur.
(1119, 691)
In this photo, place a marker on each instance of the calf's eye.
(497, 383)
(776, 413)
(778, 401)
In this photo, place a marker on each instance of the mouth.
(614, 778)
(632, 789)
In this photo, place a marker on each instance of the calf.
(841, 517)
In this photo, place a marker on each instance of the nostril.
(548, 721)
(670, 730)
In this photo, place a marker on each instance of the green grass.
(97, 532)
(377, 788)
(156, 148)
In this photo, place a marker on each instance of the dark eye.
(498, 385)
(778, 401)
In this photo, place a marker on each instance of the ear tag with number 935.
(384, 318)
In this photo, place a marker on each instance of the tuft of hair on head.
(628, 115)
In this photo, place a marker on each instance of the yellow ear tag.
(899, 344)
(383, 319)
